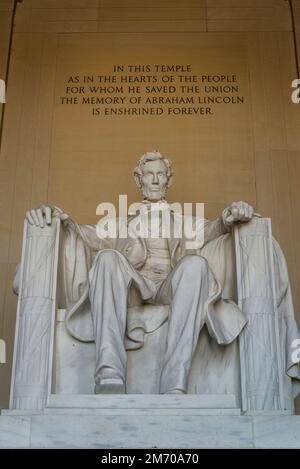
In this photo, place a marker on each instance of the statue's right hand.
(44, 214)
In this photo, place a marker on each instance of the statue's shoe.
(110, 386)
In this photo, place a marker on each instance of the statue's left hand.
(238, 212)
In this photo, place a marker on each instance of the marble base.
(84, 428)
(147, 402)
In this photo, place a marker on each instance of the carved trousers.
(185, 289)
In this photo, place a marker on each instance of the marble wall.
(49, 151)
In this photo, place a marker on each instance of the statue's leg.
(187, 287)
(110, 278)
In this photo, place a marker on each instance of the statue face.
(154, 180)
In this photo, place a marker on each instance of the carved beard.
(150, 195)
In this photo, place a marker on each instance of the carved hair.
(152, 156)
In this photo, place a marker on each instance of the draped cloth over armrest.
(224, 319)
(289, 331)
(221, 256)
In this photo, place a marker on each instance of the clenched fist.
(238, 212)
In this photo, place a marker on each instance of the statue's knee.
(195, 264)
(106, 264)
(107, 258)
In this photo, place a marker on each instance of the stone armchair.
(253, 374)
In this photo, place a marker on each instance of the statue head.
(153, 175)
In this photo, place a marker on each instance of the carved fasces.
(262, 373)
(32, 366)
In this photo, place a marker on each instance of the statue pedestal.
(176, 427)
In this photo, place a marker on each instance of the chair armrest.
(33, 347)
(262, 371)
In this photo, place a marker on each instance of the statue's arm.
(214, 228)
(43, 216)
(86, 232)
(94, 242)
(237, 212)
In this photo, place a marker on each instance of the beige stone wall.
(296, 10)
(62, 154)
(6, 11)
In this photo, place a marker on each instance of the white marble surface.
(14, 431)
(142, 401)
(263, 372)
(134, 432)
(85, 429)
(277, 432)
(215, 368)
(142, 411)
(36, 310)
(74, 362)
